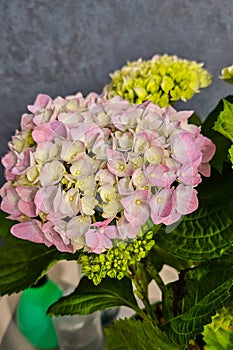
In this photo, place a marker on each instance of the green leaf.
(221, 340)
(131, 334)
(222, 144)
(88, 298)
(219, 333)
(22, 262)
(206, 288)
(208, 232)
(5, 224)
(194, 119)
(224, 123)
(206, 277)
(231, 155)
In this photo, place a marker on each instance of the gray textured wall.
(59, 47)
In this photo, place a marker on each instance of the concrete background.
(61, 47)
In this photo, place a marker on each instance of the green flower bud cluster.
(162, 80)
(227, 74)
(116, 262)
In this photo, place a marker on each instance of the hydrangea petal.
(187, 200)
(30, 230)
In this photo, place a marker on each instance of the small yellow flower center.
(159, 200)
(138, 201)
(71, 198)
(106, 197)
(152, 175)
(101, 230)
(121, 167)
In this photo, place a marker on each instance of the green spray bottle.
(32, 320)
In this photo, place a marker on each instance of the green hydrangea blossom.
(227, 74)
(162, 80)
(219, 333)
(116, 262)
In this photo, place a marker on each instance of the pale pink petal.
(29, 230)
(10, 202)
(9, 160)
(27, 208)
(100, 239)
(78, 226)
(27, 121)
(44, 198)
(207, 148)
(86, 132)
(49, 131)
(138, 219)
(125, 187)
(51, 173)
(92, 238)
(188, 175)
(70, 150)
(179, 116)
(82, 167)
(99, 148)
(42, 101)
(117, 164)
(111, 232)
(184, 149)
(136, 207)
(96, 242)
(26, 193)
(102, 224)
(187, 200)
(134, 201)
(125, 229)
(9, 176)
(172, 218)
(23, 163)
(204, 169)
(159, 175)
(46, 152)
(162, 204)
(62, 243)
(105, 177)
(71, 120)
(139, 179)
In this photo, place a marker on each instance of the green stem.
(154, 274)
(144, 315)
(143, 297)
(141, 285)
(165, 298)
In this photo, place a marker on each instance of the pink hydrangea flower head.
(83, 173)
